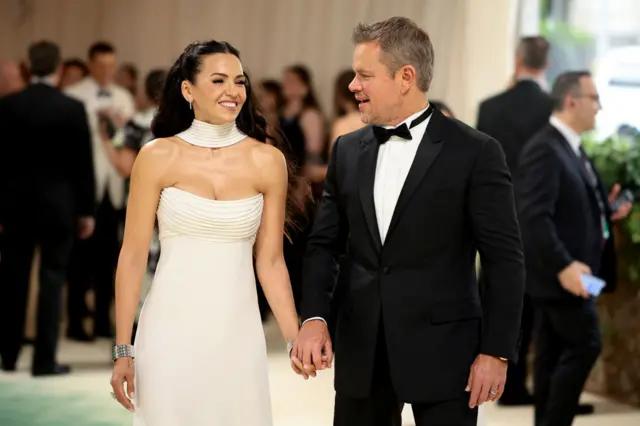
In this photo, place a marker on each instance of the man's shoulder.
(353, 139)
(79, 89)
(457, 131)
(495, 99)
(541, 144)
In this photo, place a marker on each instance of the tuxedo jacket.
(107, 179)
(559, 216)
(514, 116)
(46, 168)
(421, 283)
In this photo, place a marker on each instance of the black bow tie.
(104, 93)
(382, 135)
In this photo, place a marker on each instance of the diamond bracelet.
(122, 351)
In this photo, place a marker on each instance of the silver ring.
(493, 392)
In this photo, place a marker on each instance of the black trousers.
(568, 342)
(19, 242)
(93, 263)
(382, 407)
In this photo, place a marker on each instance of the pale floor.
(296, 401)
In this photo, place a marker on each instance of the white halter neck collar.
(209, 135)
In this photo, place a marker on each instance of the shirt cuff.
(313, 319)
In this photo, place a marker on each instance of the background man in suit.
(513, 117)
(565, 220)
(46, 188)
(96, 259)
(411, 197)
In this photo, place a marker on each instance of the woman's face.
(71, 75)
(293, 87)
(268, 101)
(219, 90)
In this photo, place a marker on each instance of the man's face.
(587, 104)
(103, 68)
(378, 93)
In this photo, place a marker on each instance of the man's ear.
(407, 75)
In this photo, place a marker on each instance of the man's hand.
(487, 379)
(571, 281)
(313, 348)
(624, 209)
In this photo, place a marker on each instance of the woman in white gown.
(219, 194)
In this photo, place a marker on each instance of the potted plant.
(617, 372)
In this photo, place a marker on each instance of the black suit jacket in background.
(514, 116)
(421, 283)
(46, 164)
(559, 216)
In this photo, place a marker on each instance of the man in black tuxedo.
(566, 222)
(47, 193)
(411, 197)
(512, 118)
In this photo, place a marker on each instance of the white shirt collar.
(569, 134)
(409, 119)
(539, 80)
(48, 80)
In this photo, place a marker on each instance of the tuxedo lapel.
(367, 159)
(577, 162)
(428, 151)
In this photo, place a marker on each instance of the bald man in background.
(11, 80)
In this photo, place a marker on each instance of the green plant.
(617, 160)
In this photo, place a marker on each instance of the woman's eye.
(242, 83)
(218, 81)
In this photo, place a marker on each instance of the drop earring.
(190, 106)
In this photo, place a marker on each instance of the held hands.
(571, 281)
(486, 380)
(123, 372)
(312, 349)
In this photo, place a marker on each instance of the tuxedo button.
(386, 270)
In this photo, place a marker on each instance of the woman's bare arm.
(313, 127)
(147, 181)
(270, 266)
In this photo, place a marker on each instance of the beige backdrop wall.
(473, 38)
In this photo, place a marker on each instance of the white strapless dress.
(200, 348)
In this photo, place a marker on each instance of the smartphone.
(593, 284)
(625, 196)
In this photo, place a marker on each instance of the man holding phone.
(566, 224)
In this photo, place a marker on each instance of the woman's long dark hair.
(342, 93)
(175, 116)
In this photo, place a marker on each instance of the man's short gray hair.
(402, 43)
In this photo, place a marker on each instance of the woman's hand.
(123, 373)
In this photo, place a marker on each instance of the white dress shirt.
(569, 134)
(106, 175)
(394, 161)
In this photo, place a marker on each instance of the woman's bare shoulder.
(269, 164)
(157, 156)
(264, 154)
